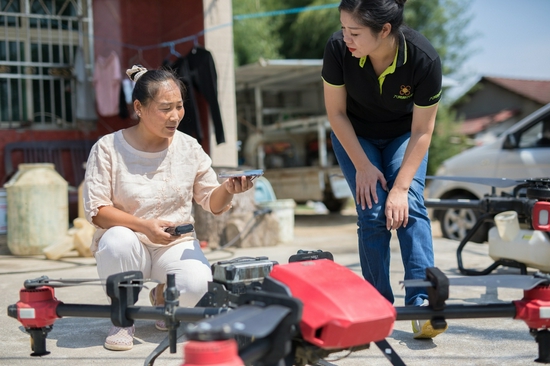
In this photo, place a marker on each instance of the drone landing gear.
(38, 340)
(542, 337)
(501, 262)
(390, 354)
(166, 342)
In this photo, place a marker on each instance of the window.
(38, 42)
(538, 135)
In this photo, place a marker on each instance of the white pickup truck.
(298, 161)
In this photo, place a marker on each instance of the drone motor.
(538, 189)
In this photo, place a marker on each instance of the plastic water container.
(3, 212)
(508, 241)
(38, 209)
(284, 211)
(263, 191)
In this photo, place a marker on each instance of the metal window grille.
(38, 42)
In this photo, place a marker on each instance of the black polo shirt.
(381, 107)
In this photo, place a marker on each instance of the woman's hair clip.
(136, 72)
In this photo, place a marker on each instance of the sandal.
(120, 339)
(159, 324)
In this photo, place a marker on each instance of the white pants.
(119, 250)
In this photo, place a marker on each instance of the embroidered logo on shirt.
(404, 92)
(436, 96)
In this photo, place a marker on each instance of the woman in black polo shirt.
(382, 84)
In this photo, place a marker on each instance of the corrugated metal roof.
(278, 74)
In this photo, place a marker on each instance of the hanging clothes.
(123, 111)
(191, 122)
(128, 88)
(85, 99)
(198, 71)
(107, 83)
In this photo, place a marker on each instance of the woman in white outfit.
(140, 181)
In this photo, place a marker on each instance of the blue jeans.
(374, 238)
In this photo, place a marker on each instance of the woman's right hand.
(154, 230)
(366, 179)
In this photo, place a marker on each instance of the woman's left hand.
(397, 209)
(238, 184)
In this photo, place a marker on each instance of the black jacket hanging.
(191, 122)
(198, 72)
(205, 79)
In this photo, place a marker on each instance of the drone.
(258, 312)
(529, 201)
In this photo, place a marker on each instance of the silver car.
(521, 152)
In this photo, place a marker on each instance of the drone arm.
(457, 311)
(448, 203)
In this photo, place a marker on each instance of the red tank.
(340, 309)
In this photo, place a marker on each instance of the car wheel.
(332, 203)
(457, 222)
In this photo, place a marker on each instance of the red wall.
(118, 25)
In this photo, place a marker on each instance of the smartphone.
(180, 230)
(241, 173)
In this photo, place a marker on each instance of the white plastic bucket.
(284, 211)
(3, 212)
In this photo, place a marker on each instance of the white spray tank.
(530, 247)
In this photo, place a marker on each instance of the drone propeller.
(494, 182)
(58, 283)
(521, 282)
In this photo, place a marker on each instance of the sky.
(513, 41)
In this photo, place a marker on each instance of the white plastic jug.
(38, 208)
(508, 241)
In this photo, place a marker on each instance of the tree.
(447, 140)
(307, 32)
(304, 34)
(255, 38)
(443, 22)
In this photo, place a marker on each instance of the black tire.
(455, 223)
(332, 203)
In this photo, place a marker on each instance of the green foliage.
(443, 22)
(309, 31)
(303, 35)
(255, 38)
(447, 140)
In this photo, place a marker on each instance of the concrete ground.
(80, 340)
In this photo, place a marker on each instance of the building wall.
(123, 26)
(490, 98)
(218, 37)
